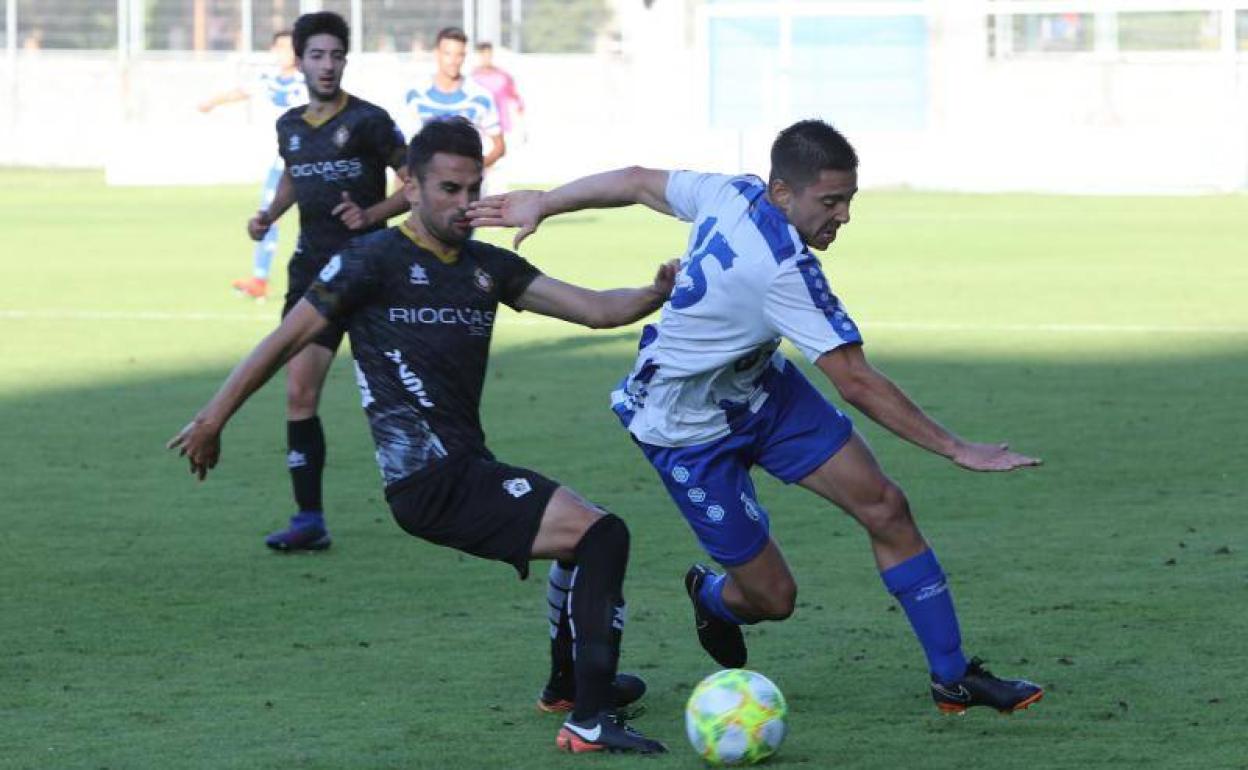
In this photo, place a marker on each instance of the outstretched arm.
(227, 97)
(200, 440)
(879, 398)
(598, 309)
(526, 209)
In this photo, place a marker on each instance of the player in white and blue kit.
(449, 94)
(710, 396)
(276, 89)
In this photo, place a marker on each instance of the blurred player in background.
(279, 88)
(336, 151)
(421, 383)
(710, 396)
(502, 86)
(449, 94)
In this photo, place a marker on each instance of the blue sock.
(919, 584)
(711, 597)
(308, 519)
(262, 257)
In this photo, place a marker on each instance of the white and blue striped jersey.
(746, 281)
(471, 101)
(280, 92)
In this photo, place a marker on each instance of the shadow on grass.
(144, 623)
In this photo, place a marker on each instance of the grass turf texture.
(145, 625)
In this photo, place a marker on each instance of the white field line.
(530, 320)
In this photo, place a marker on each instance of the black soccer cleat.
(978, 687)
(722, 640)
(605, 732)
(626, 689)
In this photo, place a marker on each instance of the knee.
(777, 601)
(608, 532)
(888, 512)
(301, 398)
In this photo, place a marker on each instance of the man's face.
(284, 52)
(819, 209)
(450, 55)
(324, 59)
(441, 199)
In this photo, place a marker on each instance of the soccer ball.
(736, 717)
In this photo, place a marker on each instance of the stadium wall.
(1160, 124)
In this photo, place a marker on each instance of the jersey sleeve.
(801, 307)
(486, 118)
(688, 192)
(347, 282)
(384, 136)
(514, 274)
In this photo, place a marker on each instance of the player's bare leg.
(305, 457)
(853, 480)
(763, 588)
(574, 531)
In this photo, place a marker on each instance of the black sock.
(305, 457)
(596, 606)
(561, 669)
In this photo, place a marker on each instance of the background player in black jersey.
(419, 302)
(336, 150)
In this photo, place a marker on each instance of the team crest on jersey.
(341, 136)
(483, 280)
(517, 487)
(418, 276)
(294, 143)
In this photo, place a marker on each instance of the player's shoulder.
(475, 90)
(421, 92)
(292, 116)
(365, 108)
(488, 252)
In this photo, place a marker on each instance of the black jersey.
(420, 333)
(349, 152)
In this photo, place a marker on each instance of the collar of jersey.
(447, 97)
(343, 96)
(445, 256)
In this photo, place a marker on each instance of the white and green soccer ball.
(736, 717)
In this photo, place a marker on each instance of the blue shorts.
(793, 433)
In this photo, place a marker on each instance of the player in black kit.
(336, 150)
(419, 302)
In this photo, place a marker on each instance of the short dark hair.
(320, 23)
(278, 35)
(808, 147)
(485, 45)
(453, 136)
(450, 33)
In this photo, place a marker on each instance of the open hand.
(991, 457)
(350, 213)
(200, 444)
(519, 208)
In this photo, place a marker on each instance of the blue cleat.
(306, 533)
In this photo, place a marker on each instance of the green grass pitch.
(143, 624)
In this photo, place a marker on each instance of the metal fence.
(133, 27)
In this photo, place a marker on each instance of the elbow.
(636, 177)
(854, 389)
(598, 319)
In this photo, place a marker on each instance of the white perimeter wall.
(1073, 125)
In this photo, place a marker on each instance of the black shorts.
(301, 271)
(477, 505)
